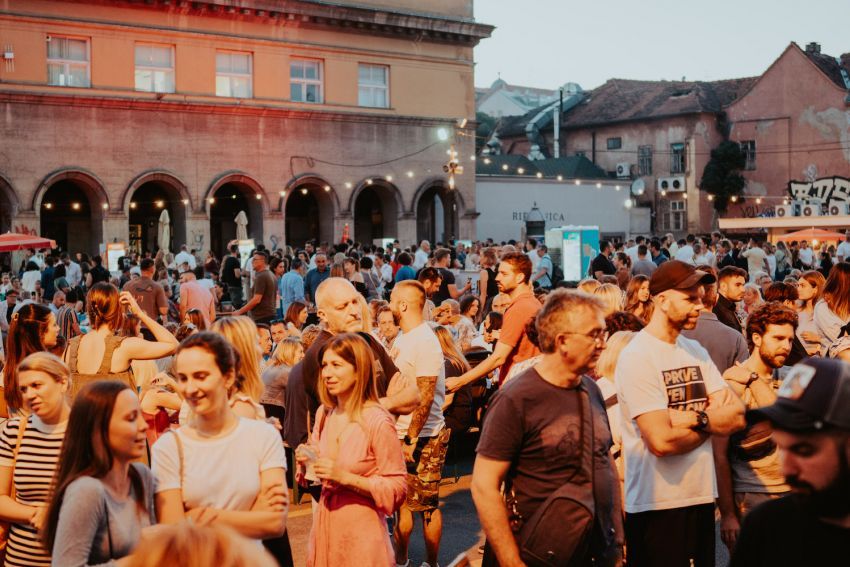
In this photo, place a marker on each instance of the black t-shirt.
(228, 274)
(99, 274)
(443, 293)
(302, 392)
(536, 426)
(785, 532)
(602, 264)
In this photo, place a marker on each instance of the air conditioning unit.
(671, 183)
(783, 211)
(836, 209)
(624, 170)
(810, 210)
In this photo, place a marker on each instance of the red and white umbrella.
(11, 242)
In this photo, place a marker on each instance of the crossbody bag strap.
(22, 427)
(587, 433)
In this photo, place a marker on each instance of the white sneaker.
(405, 564)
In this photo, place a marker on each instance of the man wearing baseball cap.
(673, 400)
(811, 427)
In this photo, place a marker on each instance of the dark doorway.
(231, 198)
(437, 215)
(70, 218)
(375, 214)
(146, 206)
(302, 218)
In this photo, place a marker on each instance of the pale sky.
(546, 43)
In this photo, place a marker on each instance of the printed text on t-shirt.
(685, 388)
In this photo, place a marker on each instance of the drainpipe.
(593, 148)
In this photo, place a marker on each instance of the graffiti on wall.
(24, 229)
(826, 189)
(275, 240)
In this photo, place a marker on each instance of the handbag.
(559, 532)
(6, 527)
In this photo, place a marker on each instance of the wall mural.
(826, 189)
(24, 229)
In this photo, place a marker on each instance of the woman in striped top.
(43, 384)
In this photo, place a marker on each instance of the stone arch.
(70, 228)
(375, 206)
(248, 194)
(309, 205)
(142, 203)
(438, 210)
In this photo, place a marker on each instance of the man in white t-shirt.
(423, 432)
(843, 251)
(672, 400)
(185, 256)
(806, 255)
(756, 260)
(685, 252)
(420, 259)
(531, 252)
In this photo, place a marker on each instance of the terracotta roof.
(620, 100)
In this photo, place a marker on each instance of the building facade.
(318, 120)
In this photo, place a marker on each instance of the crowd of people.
(161, 412)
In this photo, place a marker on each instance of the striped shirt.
(33, 475)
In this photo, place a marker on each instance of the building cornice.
(327, 15)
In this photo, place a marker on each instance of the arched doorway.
(437, 211)
(147, 202)
(226, 198)
(71, 207)
(375, 213)
(8, 205)
(309, 213)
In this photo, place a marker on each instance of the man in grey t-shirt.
(264, 292)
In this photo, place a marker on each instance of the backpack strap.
(180, 464)
(611, 401)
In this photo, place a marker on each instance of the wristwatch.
(410, 440)
(702, 421)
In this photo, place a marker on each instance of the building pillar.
(467, 229)
(407, 229)
(115, 229)
(198, 233)
(274, 236)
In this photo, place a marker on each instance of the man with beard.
(747, 463)
(811, 427)
(673, 400)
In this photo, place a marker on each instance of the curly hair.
(770, 313)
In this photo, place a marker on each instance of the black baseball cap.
(675, 274)
(815, 395)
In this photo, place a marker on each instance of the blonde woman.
(287, 354)
(358, 460)
(241, 333)
(588, 285)
(611, 296)
(605, 368)
(191, 544)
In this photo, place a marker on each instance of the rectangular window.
(615, 143)
(373, 86)
(748, 148)
(676, 218)
(305, 81)
(644, 160)
(154, 68)
(68, 62)
(677, 158)
(233, 74)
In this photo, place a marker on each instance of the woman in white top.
(832, 313)
(809, 291)
(219, 468)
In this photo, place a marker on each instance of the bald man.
(339, 308)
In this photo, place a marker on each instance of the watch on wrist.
(753, 377)
(702, 421)
(409, 440)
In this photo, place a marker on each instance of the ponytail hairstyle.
(104, 307)
(26, 336)
(241, 333)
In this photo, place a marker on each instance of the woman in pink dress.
(355, 453)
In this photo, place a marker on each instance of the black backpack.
(559, 533)
(557, 274)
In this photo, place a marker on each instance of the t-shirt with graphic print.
(655, 375)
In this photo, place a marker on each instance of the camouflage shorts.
(426, 471)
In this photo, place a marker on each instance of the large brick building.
(317, 119)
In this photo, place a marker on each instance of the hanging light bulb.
(48, 205)
(233, 196)
(663, 192)
(389, 178)
(327, 188)
(410, 174)
(211, 200)
(348, 185)
(75, 206)
(160, 204)
(304, 191)
(258, 196)
(185, 201)
(560, 178)
(710, 197)
(578, 181)
(283, 193)
(539, 175)
(368, 182)
(758, 200)
(105, 206)
(487, 161)
(520, 170)
(504, 167)
(734, 199)
(132, 205)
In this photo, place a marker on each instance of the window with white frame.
(233, 74)
(373, 86)
(677, 158)
(68, 62)
(676, 218)
(154, 68)
(306, 80)
(748, 148)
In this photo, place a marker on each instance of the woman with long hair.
(358, 460)
(191, 544)
(296, 316)
(487, 286)
(219, 468)
(605, 367)
(103, 497)
(287, 354)
(33, 329)
(241, 333)
(196, 317)
(623, 265)
(638, 300)
(832, 312)
(354, 275)
(611, 296)
(103, 355)
(809, 291)
(470, 308)
(458, 409)
(29, 454)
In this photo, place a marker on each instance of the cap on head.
(674, 274)
(813, 396)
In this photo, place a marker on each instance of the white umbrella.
(164, 234)
(241, 226)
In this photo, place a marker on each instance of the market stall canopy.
(812, 234)
(11, 242)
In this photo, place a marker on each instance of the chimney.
(812, 48)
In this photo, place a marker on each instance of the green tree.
(722, 174)
(486, 127)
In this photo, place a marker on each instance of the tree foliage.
(722, 174)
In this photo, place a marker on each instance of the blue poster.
(580, 247)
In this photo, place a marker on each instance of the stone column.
(198, 233)
(407, 229)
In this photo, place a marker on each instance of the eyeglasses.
(598, 336)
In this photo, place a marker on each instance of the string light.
(410, 174)
(304, 191)
(185, 201)
(327, 188)
(75, 206)
(734, 199)
(368, 182)
(758, 200)
(710, 197)
(504, 167)
(389, 178)
(105, 206)
(160, 204)
(520, 170)
(48, 205)
(684, 195)
(132, 204)
(578, 181)
(560, 178)
(471, 158)
(258, 196)
(663, 193)
(487, 161)
(599, 186)
(348, 185)
(283, 193)
(211, 200)
(617, 187)
(539, 175)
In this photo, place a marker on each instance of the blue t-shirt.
(405, 273)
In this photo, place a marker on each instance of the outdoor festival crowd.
(168, 412)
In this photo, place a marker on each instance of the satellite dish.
(638, 187)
